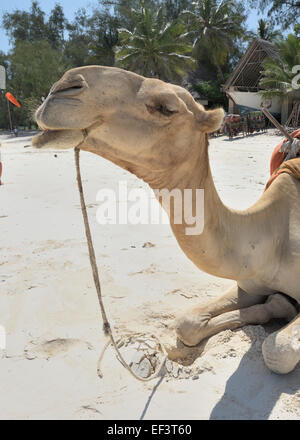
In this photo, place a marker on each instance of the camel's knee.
(189, 327)
(281, 351)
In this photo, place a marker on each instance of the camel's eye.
(162, 109)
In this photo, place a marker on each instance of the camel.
(158, 132)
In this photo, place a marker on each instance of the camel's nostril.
(79, 86)
(68, 90)
(70, 86)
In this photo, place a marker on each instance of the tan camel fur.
(158, 132)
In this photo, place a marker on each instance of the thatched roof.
(248, 72)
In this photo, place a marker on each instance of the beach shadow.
(253, 390)
(150, 397)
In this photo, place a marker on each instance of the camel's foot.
(185, 355)
(190, 326)
(281, 350)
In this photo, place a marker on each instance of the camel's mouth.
(61, 139)
(44, 137)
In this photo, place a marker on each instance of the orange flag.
(12, 99)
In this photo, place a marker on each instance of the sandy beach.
(49, 306)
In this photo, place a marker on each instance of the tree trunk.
(217, 64)
(215, 59)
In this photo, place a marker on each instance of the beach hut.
(242, 87)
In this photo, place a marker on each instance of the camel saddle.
(278, 164)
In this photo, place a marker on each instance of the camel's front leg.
(281, 350)
(232, 310)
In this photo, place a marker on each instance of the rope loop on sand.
(106, 325)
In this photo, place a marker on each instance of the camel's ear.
(207, 121)
(210, 120)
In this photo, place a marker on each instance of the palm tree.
(215, 24)
(265, 30)
(155, 48)
(278, 73)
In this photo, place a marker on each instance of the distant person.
(16, 131)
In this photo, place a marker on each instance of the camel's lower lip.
(58, 139)
(41, 138)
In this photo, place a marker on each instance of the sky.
(70, 7)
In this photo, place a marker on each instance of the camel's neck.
(206, 249)
(214, 250)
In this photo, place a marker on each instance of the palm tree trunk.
(156, 70)
(216, 62)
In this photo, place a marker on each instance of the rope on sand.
(106, 325)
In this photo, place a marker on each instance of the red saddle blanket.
(277, 166)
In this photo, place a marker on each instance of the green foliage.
(124, 10)
(266, 30)
(173, 8)
(3, 59)
(104, 37)
(76, 50)
(31, 26)
(56, 27)
(33, 68)
(155, 48)
(297, 29)
(43, 66)
(158, 38)
(278, 74)
(282, 12)
(92, 39)
(215, 25)
(212, 91)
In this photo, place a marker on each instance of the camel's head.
(121, 115)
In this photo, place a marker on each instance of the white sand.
(47, 294)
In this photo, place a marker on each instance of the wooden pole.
(277, 125)
(9, 115)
